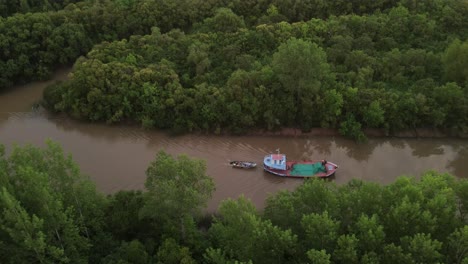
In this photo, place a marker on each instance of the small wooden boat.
(243, 164)
(276, 164)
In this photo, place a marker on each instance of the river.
(116, 157)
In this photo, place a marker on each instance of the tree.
(374, 115)
(177, 190)
(302, 69)
(241, 233)
(331, 108)
(198, 55)
(23, 234)
(358, 198)
(121, 209)
(370, 233)
(286, 209)
(423, 249)
(450, 105)
(234, 228)
(395, 254)
(217, 256)
(461, 190)
(440, 200)
(321, 231)
(49, 207)
(172, 253)
(352, 128)
(408, 218)
(224, 20)
(132, 252)
(346, 250)
(458, 245)
(455, 61)
(318, 257)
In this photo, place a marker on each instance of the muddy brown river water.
(115, 157)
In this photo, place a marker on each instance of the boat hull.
(330, 166)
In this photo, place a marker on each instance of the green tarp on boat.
(307, 169)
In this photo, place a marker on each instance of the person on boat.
(324, 164)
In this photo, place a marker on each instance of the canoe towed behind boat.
(243, 164)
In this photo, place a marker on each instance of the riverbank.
(369, 132)
(426, 133)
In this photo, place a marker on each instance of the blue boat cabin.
(276, 161)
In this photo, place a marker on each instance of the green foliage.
(374, 115)
(128, 252)
(171, 253)
(236, 215)
(403, 222)
(423, 249)
(300, 66)
(245, 236)
(52, 96)
(122, 207)
(395, 254)
(248, 64)
(318, 257)
(346, 250)
(458, 245)
(332, 108)
(224, 20)
(370, 233)
(321, 231)
(8, 8)
(178, 189)
(358, 199)
(49, 208)
(453, 113)
(302, 69)
(25, 233)
(217, 256)
(287, 209)
(34, 44)
(352, 128)
(455, 60)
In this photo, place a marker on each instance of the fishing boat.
(277, 164)
(243, 164)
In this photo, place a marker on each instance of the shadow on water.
(459, 164)
(358, 151)
(425, 148)
(98, 131)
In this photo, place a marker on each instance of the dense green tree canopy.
(226, 73)
(9, 7)
(50, 210)
(177, 190)
(455, 61)
(380, 64)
